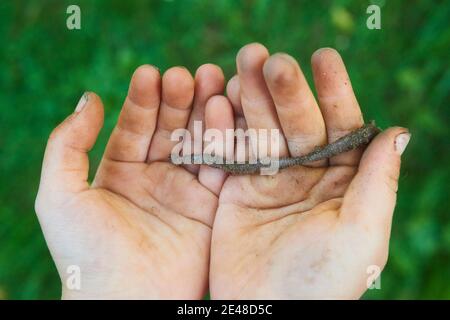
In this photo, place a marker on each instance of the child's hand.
(142, 230)
(304, 233)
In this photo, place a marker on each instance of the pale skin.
(305, 233)
(136, 232)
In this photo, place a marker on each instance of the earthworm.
(351, 141)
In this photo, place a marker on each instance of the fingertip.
(209, 70)
(89, 107)
(234, 94)
(381, 155)
(385, 142)
(94, 108)
(145, 85)
(145, 73)
(401, 142)
(219, 113)
(281, 70)
(80, 129)
(209, 80)
(178, 87)
(330, 73)
(233, 86)
(392, 132)
(397, 137)
(323, 55)
(179, 75)
(251, 56)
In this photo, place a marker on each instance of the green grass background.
(400, 73)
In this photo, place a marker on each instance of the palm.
(133, 225)
(284, 237)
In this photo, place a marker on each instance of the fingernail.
(401, 141)
(82, 103)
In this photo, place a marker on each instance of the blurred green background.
(400, 73)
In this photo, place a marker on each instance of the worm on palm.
(357, 138)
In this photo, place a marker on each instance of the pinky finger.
(234, 95)
(218, 118)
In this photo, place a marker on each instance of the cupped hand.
(307, 232)
(143, 228)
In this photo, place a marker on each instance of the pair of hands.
(148, 229)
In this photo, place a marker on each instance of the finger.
(209, 81)
(338, 103)
(130, 139)
(240, 124)
(370, 198)
(177, 95)
(66, 164)
(218, 115)
(297, 109)
(257, 103)
(234, 95)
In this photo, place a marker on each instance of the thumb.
(66, 165)
(371, 196)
